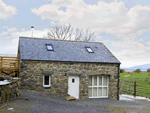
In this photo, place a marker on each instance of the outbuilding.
(80, 69)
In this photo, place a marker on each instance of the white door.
(73, 84)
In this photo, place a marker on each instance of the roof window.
(49, 47)
(89, 49)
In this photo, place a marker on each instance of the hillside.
(142, 67)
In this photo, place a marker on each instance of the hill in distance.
(143, 67)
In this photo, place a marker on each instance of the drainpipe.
(15, 92)
(118, 82)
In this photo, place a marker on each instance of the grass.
(141, 79)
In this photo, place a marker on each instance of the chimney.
(32, 28)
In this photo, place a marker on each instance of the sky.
(122, 25)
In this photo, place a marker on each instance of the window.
(98, 86)
(89, 49)
(73, 80)
(46, 81)
(49, 47)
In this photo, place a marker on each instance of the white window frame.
(89, 49)
(98, 86)
(51, 47)
(44, 81)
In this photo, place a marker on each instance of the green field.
(142, 81)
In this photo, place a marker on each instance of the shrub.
(137, 71)
(122, 70)
(148, 70)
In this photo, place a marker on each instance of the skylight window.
(89, 49)
(49, 47)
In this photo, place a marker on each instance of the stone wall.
(31, 73)
(7, 92)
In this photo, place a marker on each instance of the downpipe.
(15, 91)
(118, 82)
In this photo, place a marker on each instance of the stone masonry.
(31, 73)
(7, 92)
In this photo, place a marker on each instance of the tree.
(122, 70)
(148, 70)
(66, 32)
(137, 71)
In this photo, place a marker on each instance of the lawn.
(142, 82)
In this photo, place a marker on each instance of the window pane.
(99, 91)
(94, 92)
(100, 80)
(46, 80)
(49, 47)
(105, 91)
(89, 50)
(90, 92)
(73, 80)
(90, 80)
(95, 80)
(104, 80)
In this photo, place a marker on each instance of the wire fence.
(134, 87)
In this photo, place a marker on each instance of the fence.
(131, 87)
(9, 64)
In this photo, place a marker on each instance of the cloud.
(98, 38)
(110, 18)
(127, 63)
(113, 17)
(135, 52)
(48, 0)
(148, 43)
(52, 12)
(128, 57)
(9, 38)
(9, 30)
(6, 11)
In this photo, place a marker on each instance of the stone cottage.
(80, 69)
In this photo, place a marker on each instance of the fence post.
(128, 88)
(135, 88)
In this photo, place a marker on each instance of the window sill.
(46, 86)
(99, 97)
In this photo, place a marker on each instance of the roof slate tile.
(35, 49)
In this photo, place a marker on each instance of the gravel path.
(41, 103)
(112, 102)
(118, 106)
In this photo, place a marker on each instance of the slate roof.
(35, 49)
